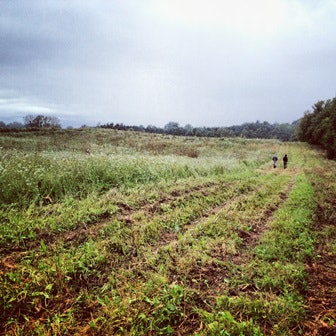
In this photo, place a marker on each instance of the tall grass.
(35, 167)
(35, 178)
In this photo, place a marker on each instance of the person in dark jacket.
(275, 159)
(285, 161)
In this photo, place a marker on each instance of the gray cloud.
(151, 62)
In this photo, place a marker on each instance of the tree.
(319, 126)
(188, 129)
(41, 121)
(173, 128)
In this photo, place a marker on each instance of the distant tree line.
(318, 127)
(10, 126)
(262, 130)
(32, 122)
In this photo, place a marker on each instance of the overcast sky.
(149, 62)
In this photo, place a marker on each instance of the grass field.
(106, 232)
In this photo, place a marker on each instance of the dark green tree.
(318, 127)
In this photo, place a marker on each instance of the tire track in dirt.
(9, 263)
(84, 231)
(250, 238)
(127, 214)
(171, 237)
(211, 278)
(207, 280)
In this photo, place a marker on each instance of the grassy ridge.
(131, 234)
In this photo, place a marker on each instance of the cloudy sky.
(148, 62)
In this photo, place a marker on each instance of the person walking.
(285, 161)
(275, 159)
